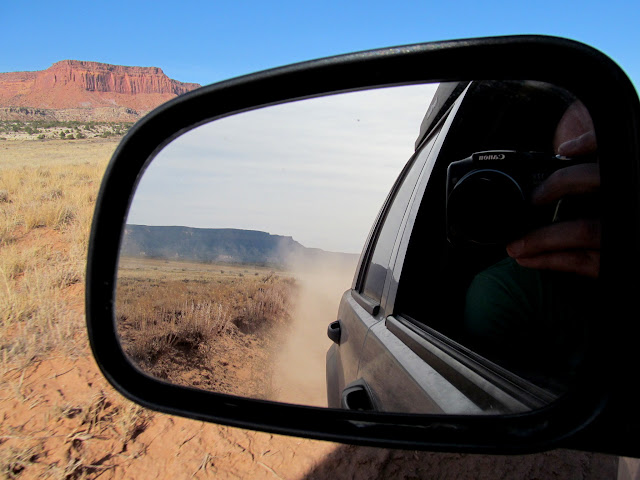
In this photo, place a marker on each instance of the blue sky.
(209, 41)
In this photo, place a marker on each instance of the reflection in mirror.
(473, 297)
(244, 233)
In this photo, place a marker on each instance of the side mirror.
(249, 188)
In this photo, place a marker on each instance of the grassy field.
(45, 213)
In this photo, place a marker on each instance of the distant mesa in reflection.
(222, 245)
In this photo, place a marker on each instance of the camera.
(488, 196)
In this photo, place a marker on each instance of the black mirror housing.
(598, 413)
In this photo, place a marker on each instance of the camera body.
(488, 195)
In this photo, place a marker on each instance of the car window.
(392, 220)
(438, 279)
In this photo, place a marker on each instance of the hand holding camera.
(544, 208)
(567, 246)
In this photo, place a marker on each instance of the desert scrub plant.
(190, 331)
(166, 315)
(131, 421)
(190, 325)
(265, 303)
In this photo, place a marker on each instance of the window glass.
(377, 269)
(458, 279)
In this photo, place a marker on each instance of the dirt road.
(300, 364)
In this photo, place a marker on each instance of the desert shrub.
(53, 194)
(263, 304)
(181, 324)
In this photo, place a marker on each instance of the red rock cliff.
(79, 84)
(102, 77)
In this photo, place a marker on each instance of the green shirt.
(533, 322)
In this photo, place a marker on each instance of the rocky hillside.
(73, 90)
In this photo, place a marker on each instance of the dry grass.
(55, 196)
(14, 461)
(203, 325)
(45, 216)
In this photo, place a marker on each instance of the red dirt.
(67, 412)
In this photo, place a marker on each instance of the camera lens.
(485, 207)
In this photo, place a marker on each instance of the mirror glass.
(238, 268)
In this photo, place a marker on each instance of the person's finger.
(573, 180)
(582, 145)
(571, 235)
(582, 262)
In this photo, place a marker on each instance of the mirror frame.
(590, 416)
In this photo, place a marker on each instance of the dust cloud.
(299, 371)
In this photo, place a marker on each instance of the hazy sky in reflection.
(317, 170)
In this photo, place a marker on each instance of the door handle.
(334, 331)
(357, 396)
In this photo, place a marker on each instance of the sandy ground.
(84, 442)
(61, 419)
(301, 362)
